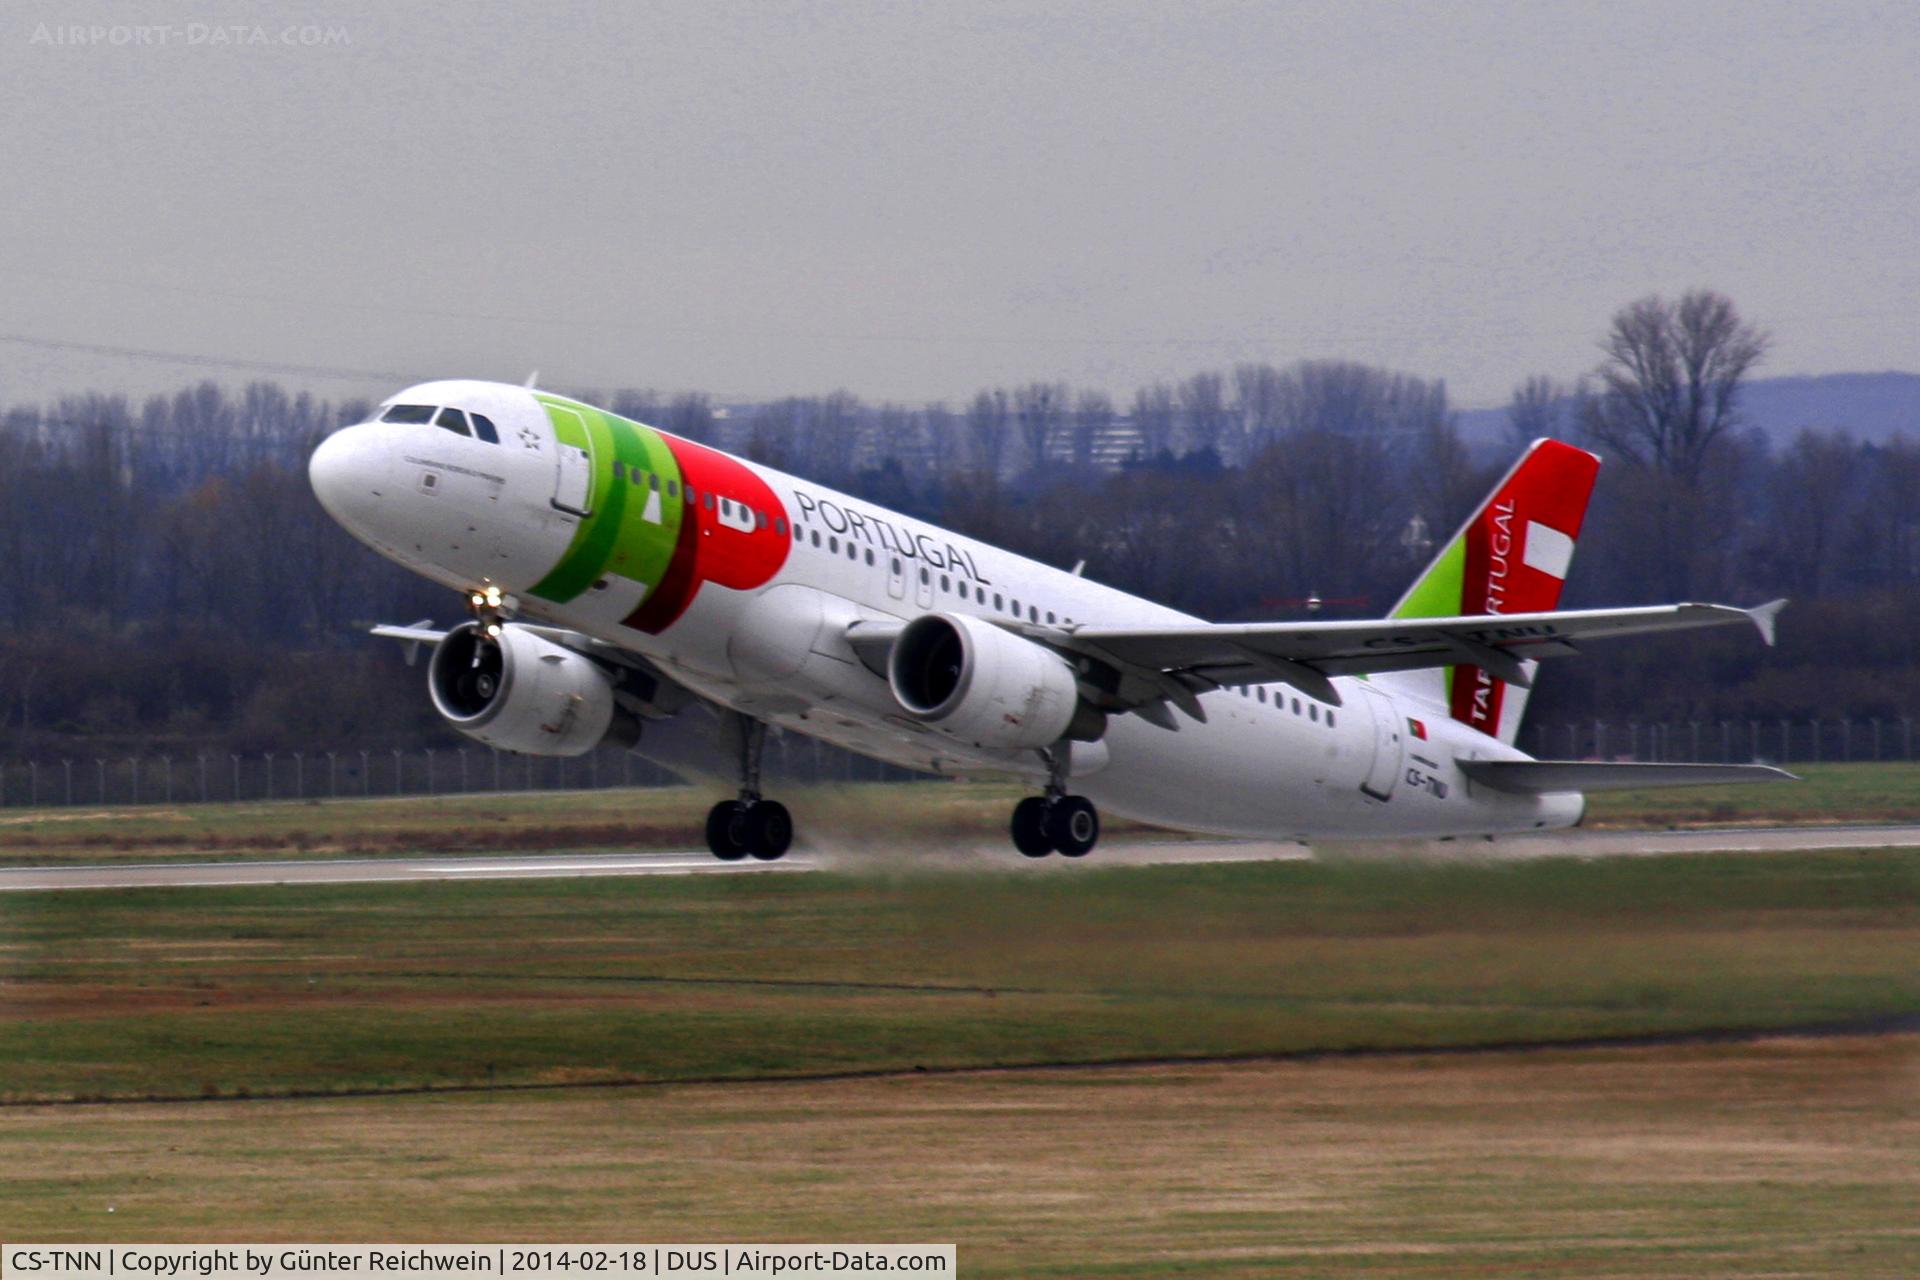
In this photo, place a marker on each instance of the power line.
(212, 362)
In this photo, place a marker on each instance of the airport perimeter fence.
(320, 775)
(295, 775)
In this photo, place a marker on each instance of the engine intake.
(520, 692)
(967, 678)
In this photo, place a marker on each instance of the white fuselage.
(1267, 761)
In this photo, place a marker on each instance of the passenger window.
(1329, 718)
(996, 601)
(982, 593)
(869, 555)
(1016, 608)
(408, 413)
(1033, 613)
(1262, 693)
(780, 527)
(853, 553)
(1050, 617)
(483, 427)
(833, 545)
(894, 565)
(946, 583)
(1296, 706)
(816, 537)
(925, 576)
(1313, 712)
(673, 488)
(707, 501)
(619, 467)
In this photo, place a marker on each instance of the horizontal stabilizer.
(1532, 777)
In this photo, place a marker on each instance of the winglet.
(531, 379)
(1763, 617)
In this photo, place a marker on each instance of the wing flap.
(1398, 644)
(1534, 777)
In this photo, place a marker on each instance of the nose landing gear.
(1056, 822)
(749, 825)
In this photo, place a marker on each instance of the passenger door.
(573, 468)
(1388, 741)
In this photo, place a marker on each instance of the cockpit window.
(455, 421)
(408, 413)
(483, 427)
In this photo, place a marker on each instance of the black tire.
(1073, 825)
(769, 830)
(1030, 828)
(724, 823)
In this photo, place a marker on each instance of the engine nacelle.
(519, 692)
(986, 687)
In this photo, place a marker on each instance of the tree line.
(168, 582)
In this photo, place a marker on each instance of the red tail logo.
(1518, 549)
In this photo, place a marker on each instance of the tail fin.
(1511, 556)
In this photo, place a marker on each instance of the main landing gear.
(750, 824)
(1056, 822)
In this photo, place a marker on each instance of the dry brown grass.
(1788, 1157)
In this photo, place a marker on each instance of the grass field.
(1780, 1159)
(894, 816)
(191, 992)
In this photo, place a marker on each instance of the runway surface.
(1124, 852)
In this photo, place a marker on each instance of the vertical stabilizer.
(1511, 556)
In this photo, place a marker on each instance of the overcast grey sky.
(915, 200)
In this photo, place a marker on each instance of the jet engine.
(519, 692)
(986, 687)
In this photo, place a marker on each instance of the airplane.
(627, 585)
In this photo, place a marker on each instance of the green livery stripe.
(1441, 589)
(618, 536)
(1439, 592)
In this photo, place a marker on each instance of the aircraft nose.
(348, 473)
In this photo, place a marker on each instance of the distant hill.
(1873, 406)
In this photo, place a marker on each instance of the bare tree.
(1092, 418)
(1538, 409)
(1670, 385)
(1815, 494)
(1667, 402)
(1258, 390)
(988, 418)
(1039, 408)
(1154, 412)
(941, 435)
(1203, 403)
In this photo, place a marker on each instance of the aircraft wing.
(1532, 777)
(1307, 654)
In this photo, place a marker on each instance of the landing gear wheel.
(1030, 828)
(1073, 826)
(769, 830)
(726, 827)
